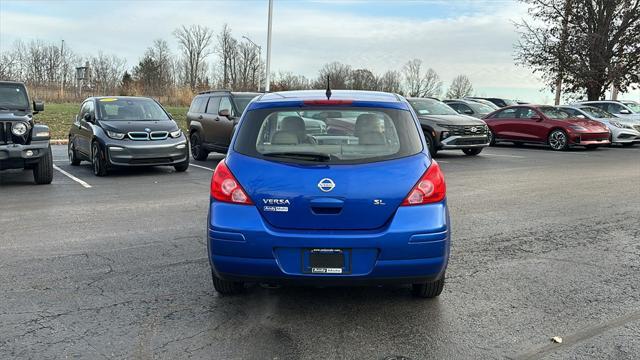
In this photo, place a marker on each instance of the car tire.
(182, 167)
(429, 289)
(73, 157)
(226, 287)
(430, 144)
(197, 151)
(472, 151)
(98, 160)
(492, 138)
(558, 140)
(629, 144)
(43, 170)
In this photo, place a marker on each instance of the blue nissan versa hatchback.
(327, 192)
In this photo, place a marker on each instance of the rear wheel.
(558, 140)
(472, 151)
(43, 170)
(430, 144)
(197, 150)
(73, 156)
(429, 289)
(225, 287)
(98, 160)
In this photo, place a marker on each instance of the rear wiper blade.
(300, 155)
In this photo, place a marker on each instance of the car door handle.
(200, 117)
(217, 118)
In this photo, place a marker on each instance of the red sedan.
(545, 125)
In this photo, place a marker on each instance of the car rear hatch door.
(328, 197)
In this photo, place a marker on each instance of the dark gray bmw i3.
(126, 131)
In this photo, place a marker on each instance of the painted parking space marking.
(201, 167)
(504, 155)
(79, 181)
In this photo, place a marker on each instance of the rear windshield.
(13, 97)
(328, 136)
(130, 109)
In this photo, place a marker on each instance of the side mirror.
(38, 106)
(536, 117)
(224, 112)
(87, 117)
(625, 112)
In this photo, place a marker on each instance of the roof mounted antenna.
(328, 93)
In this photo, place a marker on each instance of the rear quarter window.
(198, 104)
(329, 136)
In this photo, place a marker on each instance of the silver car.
(620, 108)
(624, 131)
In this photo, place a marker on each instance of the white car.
(619, 108)
(624, 131)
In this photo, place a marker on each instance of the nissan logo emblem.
(326, 185)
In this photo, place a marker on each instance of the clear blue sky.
(453, 37)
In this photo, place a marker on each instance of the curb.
(59, 142)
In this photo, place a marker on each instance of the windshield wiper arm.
(300, 155)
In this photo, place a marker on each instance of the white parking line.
(79, 181)
(201, 167)
(511, 156)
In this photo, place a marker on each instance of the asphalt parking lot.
(544, 244)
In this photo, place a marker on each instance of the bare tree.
(460, 87)
(339, 75)
(106, 73)
(363, 79)
(195, 42)
(419, 84)
(390, 81)
(227, 51)
(289, 81)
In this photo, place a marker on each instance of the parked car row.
(589, 123)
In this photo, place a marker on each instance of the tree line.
(204, 60)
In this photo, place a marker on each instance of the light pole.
(259, 59)
(268, 81)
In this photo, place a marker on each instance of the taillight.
(327, 102)
(225, 187)
(429, 189)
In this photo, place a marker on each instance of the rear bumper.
(16, 156)
(413, 247)
(148, 153)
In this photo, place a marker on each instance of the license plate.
(326, 261)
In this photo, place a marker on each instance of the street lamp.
(259, 59)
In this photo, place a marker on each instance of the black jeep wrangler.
(23, 143)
